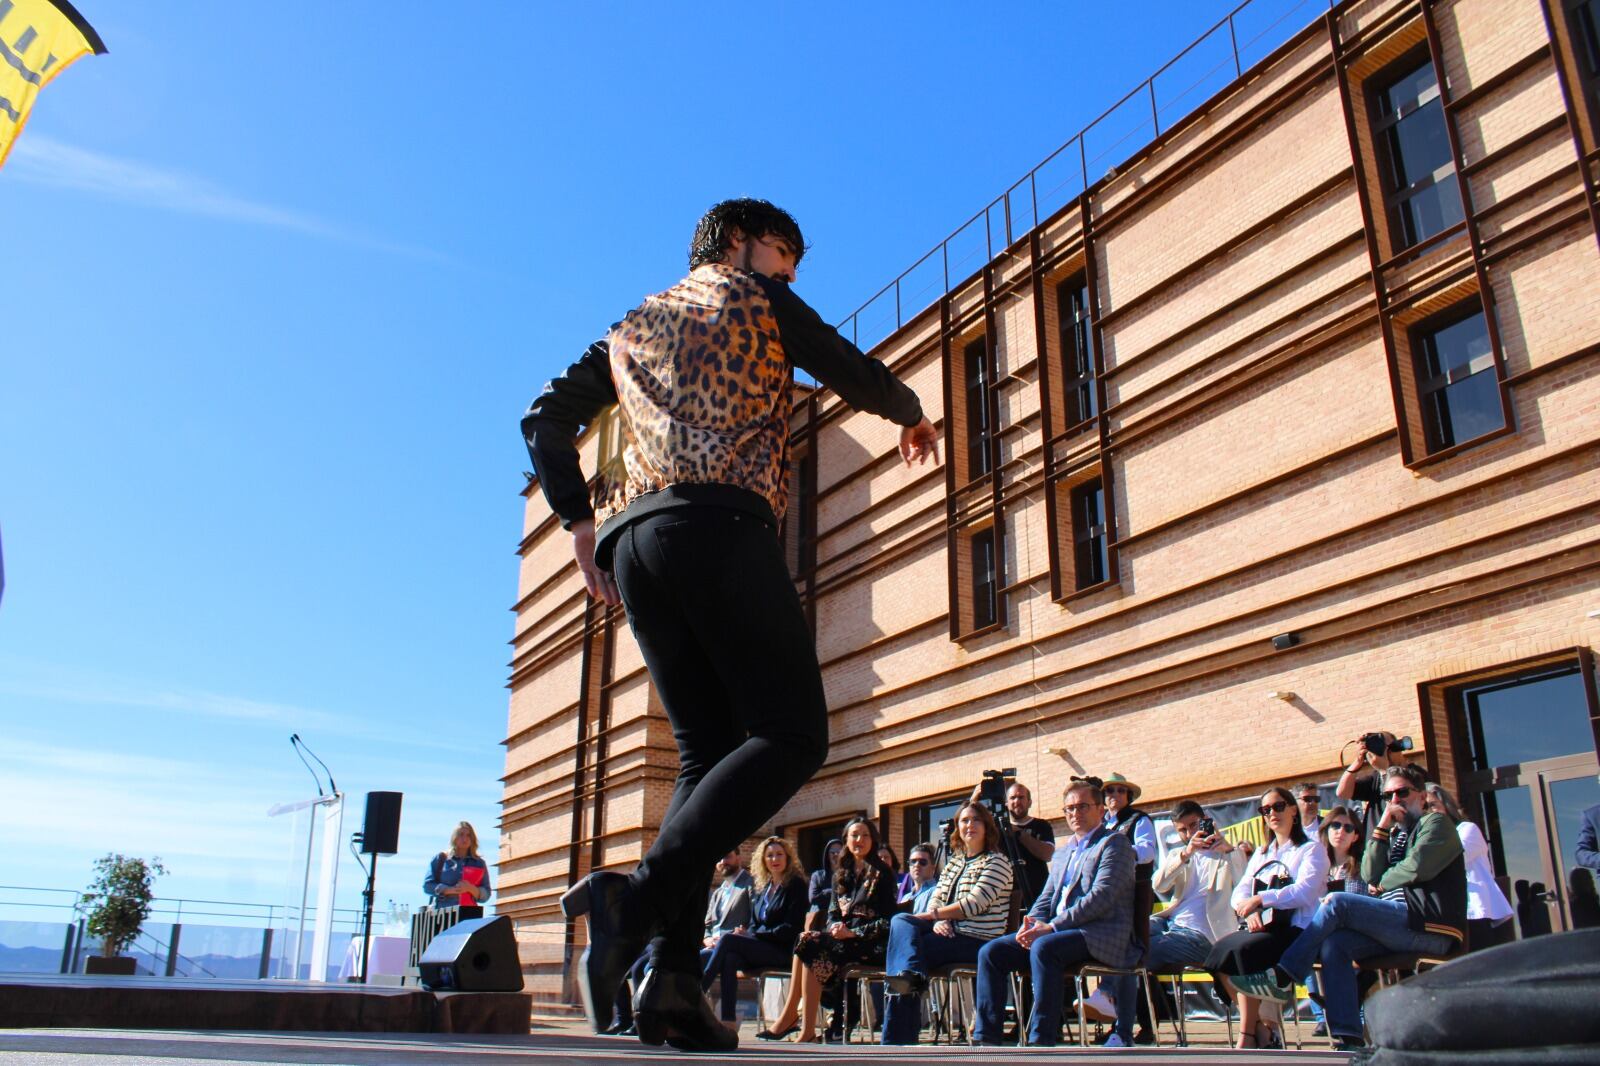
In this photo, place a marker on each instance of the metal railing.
(162, 953)
(1019, 209)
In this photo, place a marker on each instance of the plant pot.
(116, 965)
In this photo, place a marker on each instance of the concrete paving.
(101, 1047)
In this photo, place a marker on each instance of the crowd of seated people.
(1297, 897)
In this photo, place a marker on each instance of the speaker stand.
(366, 921)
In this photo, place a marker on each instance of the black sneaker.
(1144, 1037)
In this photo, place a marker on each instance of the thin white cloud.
(37, 681)
(41, 160)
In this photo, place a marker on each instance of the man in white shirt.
(1197, 879)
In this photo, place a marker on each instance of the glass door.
(1530, 738)
(1533, 814)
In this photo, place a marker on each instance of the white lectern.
(327, 814)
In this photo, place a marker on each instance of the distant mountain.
(29, 960)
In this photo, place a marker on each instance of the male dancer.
(702, 374)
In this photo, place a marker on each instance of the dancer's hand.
(919, 442)
(600, 585)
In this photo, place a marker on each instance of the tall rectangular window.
(1457, 386)
(983, 579)
(799, 523)
(1416, 166)
(975, 360)
(1077, 351)
(1090, 550)
(1583, 19)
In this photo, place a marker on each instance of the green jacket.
(1432, 872)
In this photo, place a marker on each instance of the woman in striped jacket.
(968, 909)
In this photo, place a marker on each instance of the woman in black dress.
(856, 932)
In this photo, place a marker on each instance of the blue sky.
(280, 280)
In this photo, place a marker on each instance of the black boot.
(616, 938)
(671, 1008)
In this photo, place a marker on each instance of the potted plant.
(118, 902)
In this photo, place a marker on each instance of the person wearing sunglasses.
(1274, 900)
(1428, 918)
(923, 869)
(1340, 835)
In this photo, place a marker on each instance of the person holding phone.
(1197, 880)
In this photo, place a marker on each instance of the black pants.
(716, 618)
(735, 952)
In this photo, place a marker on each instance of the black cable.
(331, 786)
(295, 742)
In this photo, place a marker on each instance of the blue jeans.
(915, 947)
(1172, 947)
(1048, 960)
(1348, 927)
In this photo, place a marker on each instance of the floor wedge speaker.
(477, 955)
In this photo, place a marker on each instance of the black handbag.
(1280, 922)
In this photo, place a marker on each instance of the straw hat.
(1118, 779)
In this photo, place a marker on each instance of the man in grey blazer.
(1084, 914)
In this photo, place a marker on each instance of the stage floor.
(57, 1001)
(35, 1047)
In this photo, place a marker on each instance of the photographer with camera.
(1029, 842)
(1375, 752)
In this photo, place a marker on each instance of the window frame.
(1086, 535)
(1430, 388)
(1075, 323)
(1379, 127)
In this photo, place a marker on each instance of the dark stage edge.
(78, 1002)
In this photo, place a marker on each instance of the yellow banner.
(38, 40)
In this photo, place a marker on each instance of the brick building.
(1317, 363)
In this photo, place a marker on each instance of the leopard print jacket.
(703, 382)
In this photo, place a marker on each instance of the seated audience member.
(727, 908)
(1309, 799)
(902, 881)
(1140, 829)
(778, 900)
(1340, 836)
(967, 909)
(1588, 851)
(1271, 917)
(923, 867)
(857, 931)
(822, 876)
(1422, 907)
(1083, 914)
(1487, 906)
(1197, 878)
(1036, 839)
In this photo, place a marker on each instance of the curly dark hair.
(753, 218)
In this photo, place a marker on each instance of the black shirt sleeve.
(551, 427)
(817, 348)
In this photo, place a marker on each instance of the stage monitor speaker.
(477, 955)
(380, 830)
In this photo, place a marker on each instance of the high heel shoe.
(768, 1034)
(615, 941)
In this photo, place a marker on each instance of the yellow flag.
(38, 40)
